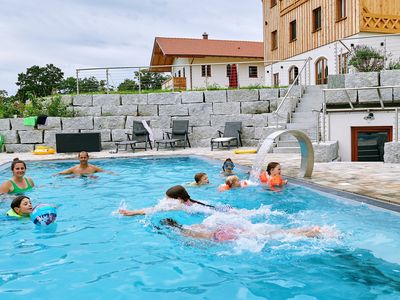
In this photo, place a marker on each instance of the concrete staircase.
(303, 119)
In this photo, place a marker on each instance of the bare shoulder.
(5, 187)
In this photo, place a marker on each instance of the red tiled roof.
(165, 49)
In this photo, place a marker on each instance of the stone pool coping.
(373, 180)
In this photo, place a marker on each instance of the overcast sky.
(98, 33)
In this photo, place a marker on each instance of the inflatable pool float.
(43, 150)
(247, 151)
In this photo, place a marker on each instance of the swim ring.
(43, 214)
(43, 150)
(248, 151)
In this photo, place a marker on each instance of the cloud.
(83, 33)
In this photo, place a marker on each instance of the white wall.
(340, 123)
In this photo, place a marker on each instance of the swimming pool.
(93, 254)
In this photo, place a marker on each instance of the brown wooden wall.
(377, 16)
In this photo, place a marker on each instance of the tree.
(150, 80)
(68, 86)
(39, 81)
(128, 85)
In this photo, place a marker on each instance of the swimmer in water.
(84, 168)
(224, 233)
(177, 199)
(227, 167)
(232, 182)
(19, 183)
(272, 176)
(200, 179)
(21, 207)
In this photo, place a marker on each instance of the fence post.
(396, 123)
(77, 82)
(107, 84)
(237, 75)
(140, 82)
(323, 117)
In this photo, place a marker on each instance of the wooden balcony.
(371, 22)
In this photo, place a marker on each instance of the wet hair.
(230, 179)
(228, 162)
(198, 177)
(17, 161)
(17, 201)
(178, 191)
(271, 165)
(79, 154)
(170, 223)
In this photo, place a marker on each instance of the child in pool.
(200, 179)
(21, 207)
(232, 182)
(272, 175)
(227, 167)
(226, 233)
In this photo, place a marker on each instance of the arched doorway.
(293, 72)
(321, 71)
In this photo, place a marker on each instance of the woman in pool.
(224, 233)
(21, 207)
(18, 184)
(227, 167)
(177, 199)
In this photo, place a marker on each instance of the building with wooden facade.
(324, 30)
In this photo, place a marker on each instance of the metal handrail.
(289, 90)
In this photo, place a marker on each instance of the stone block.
(155, 122)
(248, 132)
(265, 132)
(219, 121)
(118, 135)
(85, 111)
(19, 148)
(192, 97)
(164, 98)
(336, 81)
(82, 100)
(18, 124)
(173, 110)
(134, 99)
(51, 123)
(108, 146)
(201, 143)
(10, 136)
(5, 124)
(338, 97)
(196, 120)
(106, 100)
(364, 79)
(105, 134)
(390, 78)
(114, 122)
(250, 142)
(147, 110)
(204, 132)
(228, 108)
(66, 99)
(242, 95)
(77, 123)
(50, 136)
(121, 110)
(259, 107)
(200, 109)
(326, 152)
(282, 92)
(392, 153)
(215, 96)
(267, 94)
(31, 136)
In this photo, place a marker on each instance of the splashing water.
(260, 158)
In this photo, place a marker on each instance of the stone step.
(288, 143)
(302, 126)
(302, 114)
(286, 150)
(307, 109)
(310, 119)
(288, 137)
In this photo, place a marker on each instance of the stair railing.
(296, 80)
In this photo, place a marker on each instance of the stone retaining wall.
(113, 116)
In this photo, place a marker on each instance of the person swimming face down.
(180, 193)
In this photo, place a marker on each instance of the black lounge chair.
(178, 134)
(139, 135)
(232, 133)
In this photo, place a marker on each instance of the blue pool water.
(92, 253)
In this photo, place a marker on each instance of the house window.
(292, 31)
(321, 71)
(273, 2)
(343, 63)
(206, 71)
(253, 72)
(293, 72)
(228, 70)
(340, 9)
(274, 40)
(184, 75)
(179, 73)
(317, 19)
(276, 79)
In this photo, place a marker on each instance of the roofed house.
(201, 63)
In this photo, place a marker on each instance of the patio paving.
(373, 179)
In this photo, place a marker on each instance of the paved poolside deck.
(373, 179)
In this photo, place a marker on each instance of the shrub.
(57, 108)
(367, 59)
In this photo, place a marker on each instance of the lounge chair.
(139, 135)
(178, 134)
(231, 134)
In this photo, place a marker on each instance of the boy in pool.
(21, 207)
(200, 179)
(227, 167)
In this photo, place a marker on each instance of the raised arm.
(5, 187)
